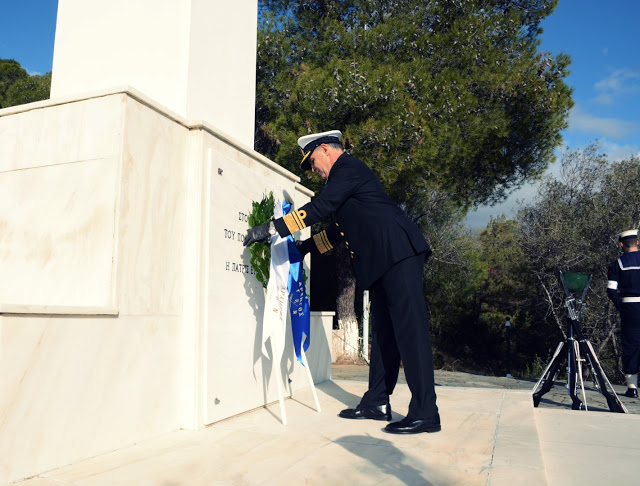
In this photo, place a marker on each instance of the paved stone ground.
(558, 397)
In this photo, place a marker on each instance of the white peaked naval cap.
(308, 143)
(628, 234)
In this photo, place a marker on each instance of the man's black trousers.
(630, 327)
(400, 332)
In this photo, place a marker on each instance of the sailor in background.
(623, 288)
(388, 253)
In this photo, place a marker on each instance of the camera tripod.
(574, 347)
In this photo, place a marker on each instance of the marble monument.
(128, 307)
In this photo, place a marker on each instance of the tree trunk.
(345, 308)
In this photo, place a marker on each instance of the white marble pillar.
(195, 57)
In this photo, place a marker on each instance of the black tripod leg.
(545, 382)
(572, 375)
(615, 405)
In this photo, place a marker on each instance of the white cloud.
(603, 99)
(479, 218)
(600, 127)
(620, 82)
(605, 51)
(617, 152)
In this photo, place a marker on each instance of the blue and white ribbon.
(274, 322)
(298, 300)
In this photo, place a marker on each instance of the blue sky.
(604, 46)
(27, 33)
(599, 36)
(602, 41)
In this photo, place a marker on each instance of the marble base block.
(128, 307)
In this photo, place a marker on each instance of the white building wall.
(195, 57)
(119, 316)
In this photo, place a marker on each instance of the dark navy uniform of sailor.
(388, 252)
(623, 288)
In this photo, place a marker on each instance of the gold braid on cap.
(322, 242)
(295, 221)
(304, 155)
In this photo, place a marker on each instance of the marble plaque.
(235, 298)
(57, 234)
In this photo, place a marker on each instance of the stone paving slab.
(483, 442)
(589, 448)
(492, 435)
(557, 398)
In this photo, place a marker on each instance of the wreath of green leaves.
(261, 213)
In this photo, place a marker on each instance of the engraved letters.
(236, 237)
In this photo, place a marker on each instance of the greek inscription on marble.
(238, 236)
(235, 235)
(239, 268)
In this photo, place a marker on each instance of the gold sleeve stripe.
(295, 221)
(325, 238)
(322, 242)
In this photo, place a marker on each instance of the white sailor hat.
(309, 143)
(628, 234)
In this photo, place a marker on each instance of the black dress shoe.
(380, 412)
(413, 426)
(631, 393)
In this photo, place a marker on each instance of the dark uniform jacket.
(624, 278)
(375, 230)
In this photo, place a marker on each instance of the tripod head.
(573, 284)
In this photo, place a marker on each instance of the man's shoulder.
(348, 156)
(349, 163)
(345, 167)
(631, 258)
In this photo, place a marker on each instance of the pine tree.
(450, 103)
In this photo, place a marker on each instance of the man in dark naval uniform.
(388, 253)
(623, 288)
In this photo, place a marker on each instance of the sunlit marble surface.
(119, 317)
(196, 57)
(488, 437)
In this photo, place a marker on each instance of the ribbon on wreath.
(298, 300)
(274, 323)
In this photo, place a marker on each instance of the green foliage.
(17, 87)
(28, 90)
(10, 72)
(573, 227)
(453, 276)
(509, 291)
(452, 96)
(452, 105)
(511, 267)
(475, 281)
(261, 213)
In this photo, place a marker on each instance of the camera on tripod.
(574, 348)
